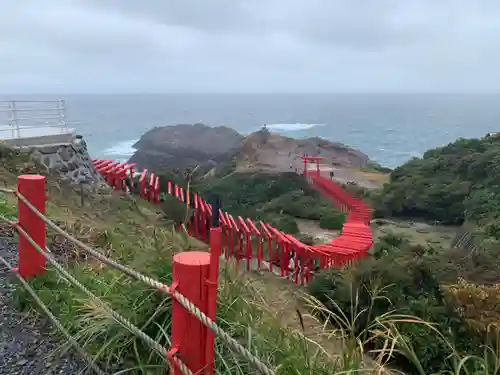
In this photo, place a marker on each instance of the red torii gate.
(309, 160)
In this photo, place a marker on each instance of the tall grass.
(385, 331)
(125, 231)
(243, 313)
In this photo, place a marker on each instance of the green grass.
(133, 233)
(6, 209)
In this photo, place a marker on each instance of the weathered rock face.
(185, 146)
(271, 151)
(70, 161)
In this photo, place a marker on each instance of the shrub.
(407, 282)
(284, 223)
(332, 220)
(457, 182)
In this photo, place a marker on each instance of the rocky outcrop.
(185, 146)
(70, 161)
(271, 151)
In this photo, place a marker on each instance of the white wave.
(292, 127)
(124, 148)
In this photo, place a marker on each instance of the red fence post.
(31, 262)
(212, 284)
(189, 336)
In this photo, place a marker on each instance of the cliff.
(272, 151)
(185, 146)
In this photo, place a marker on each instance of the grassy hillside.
(269, 315)
(134, 233)
(452, 184)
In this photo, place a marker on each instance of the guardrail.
(194, 294)
(18, 116)
(256, 243)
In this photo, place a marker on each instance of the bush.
(332, 220)
(449, 184)
(285, 224)
(407, 282)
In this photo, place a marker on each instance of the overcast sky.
(250, 45)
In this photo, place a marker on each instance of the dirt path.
(26, 347)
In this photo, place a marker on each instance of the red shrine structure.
(310, 160)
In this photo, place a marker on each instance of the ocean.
(391, 129)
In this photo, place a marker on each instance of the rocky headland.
(186, 146)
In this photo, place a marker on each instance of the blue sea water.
(390, 128)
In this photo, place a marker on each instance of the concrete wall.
(33, 141)
(71, 161)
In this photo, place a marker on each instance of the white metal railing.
(19, 115)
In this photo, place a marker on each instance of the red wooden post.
(231, 241)
(131, 177)
(189, 336)
(196, 216)
(212, 284)
(202, 227)
(248, 242)
(296, 249)
(151, 188)
(181, 194)
(31, 262)
(142, 184)
(258, 239)
(157, 189)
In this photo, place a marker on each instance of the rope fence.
(6, 191)
(33, 256)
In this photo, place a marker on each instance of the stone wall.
(71, 161)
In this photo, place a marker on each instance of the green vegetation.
(456, 291)
(452, 184)
(332, 220)
(132, 232)
(277, 199)
(419, 282)
(422, 310)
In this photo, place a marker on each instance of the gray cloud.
(250, 45)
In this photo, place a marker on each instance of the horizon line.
(41, 93)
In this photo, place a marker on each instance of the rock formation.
(263, 150)
(185, 146)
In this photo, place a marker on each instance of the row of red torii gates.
(117, 174)
(308, 174)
